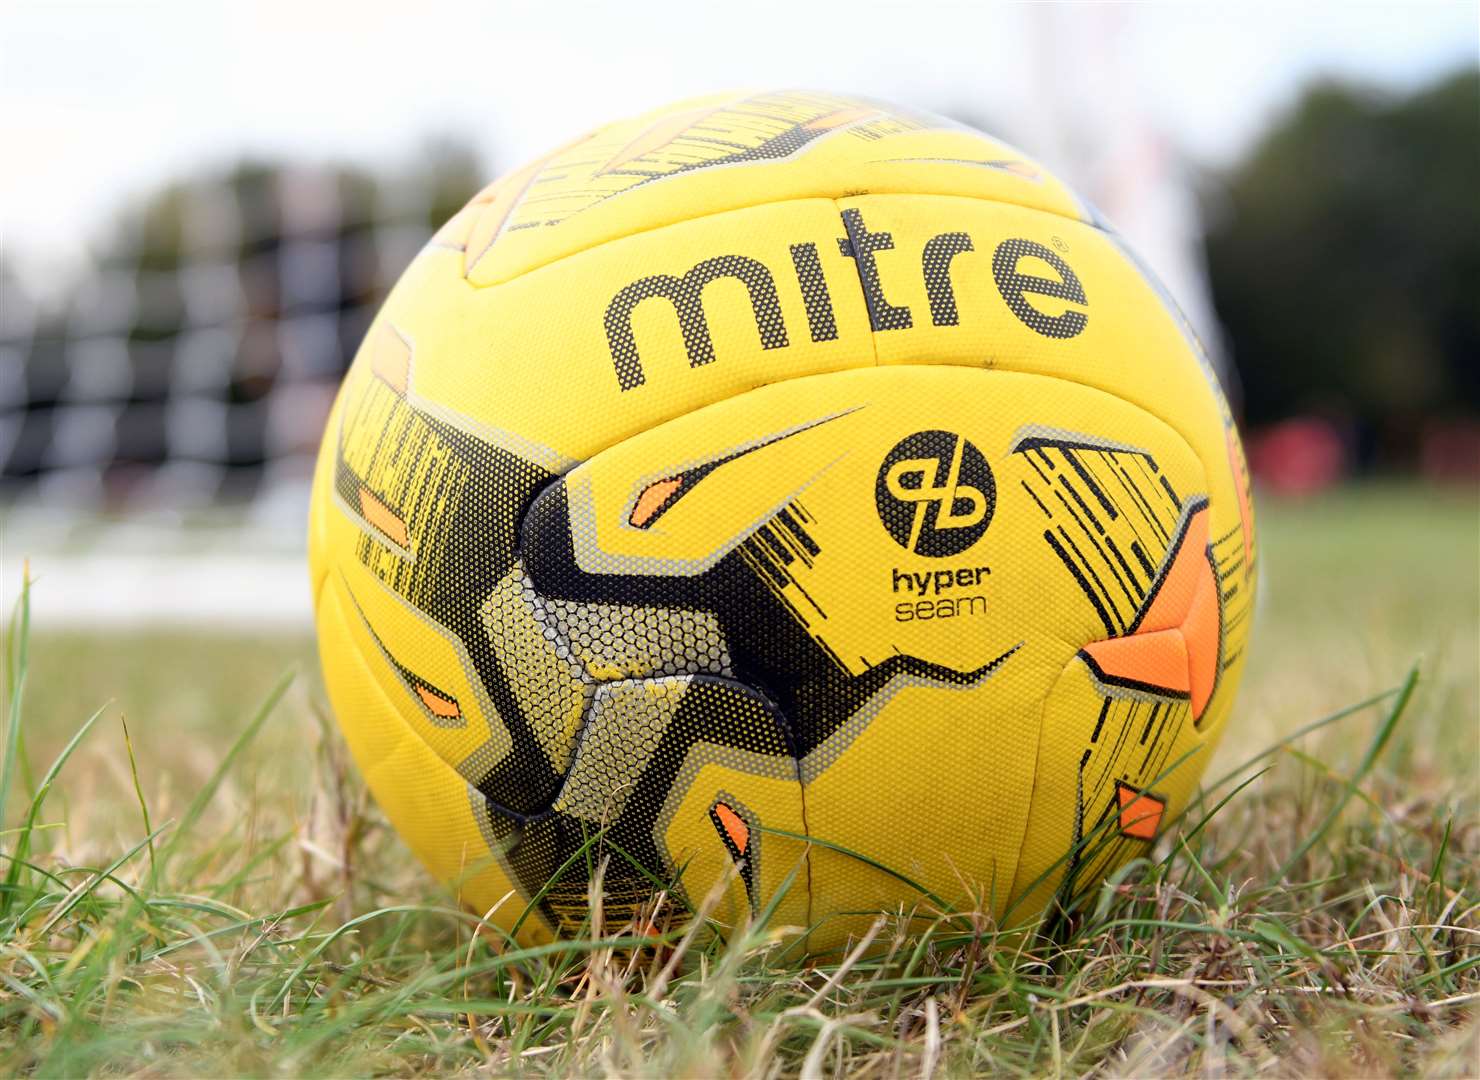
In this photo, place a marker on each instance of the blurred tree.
(1344, 254)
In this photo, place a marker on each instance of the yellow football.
(804, 503)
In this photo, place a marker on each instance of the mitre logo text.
(859, 244)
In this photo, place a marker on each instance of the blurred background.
(204, 204)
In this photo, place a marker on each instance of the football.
(806, 506)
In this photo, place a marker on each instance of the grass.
(194, 883)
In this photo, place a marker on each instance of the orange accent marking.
(487, 193)
(1140, 813)
(838, 119)
(735, 826)
(1157, 658)
(659, 135)
(1245, 504)
(383, 517)
(1182, 579)
(652, 499)
(1175, 647)
(441, 706)
(390, 358)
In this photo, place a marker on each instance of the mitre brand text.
(859, 244)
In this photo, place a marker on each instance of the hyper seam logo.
(935, 493)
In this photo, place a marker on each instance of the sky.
(101, 101)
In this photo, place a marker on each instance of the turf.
(194, 882)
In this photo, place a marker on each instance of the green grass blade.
(208, 790)
(332, 937)
(1202, 822)
(238, 926)
(109, 873)
(133, 768)
(534, 901)
(1300, 733)
(866, 860)
(20, 660)
(23, 838)
(1374, 751)
(1089, 845)
(773, 902)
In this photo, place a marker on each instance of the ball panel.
(701, 157)
(551, 689)
(936, 786)
(429, 551)
(426, 800)
(425, 669)
(747, 869)
(1125, 742)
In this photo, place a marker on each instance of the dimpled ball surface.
(774, 467)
